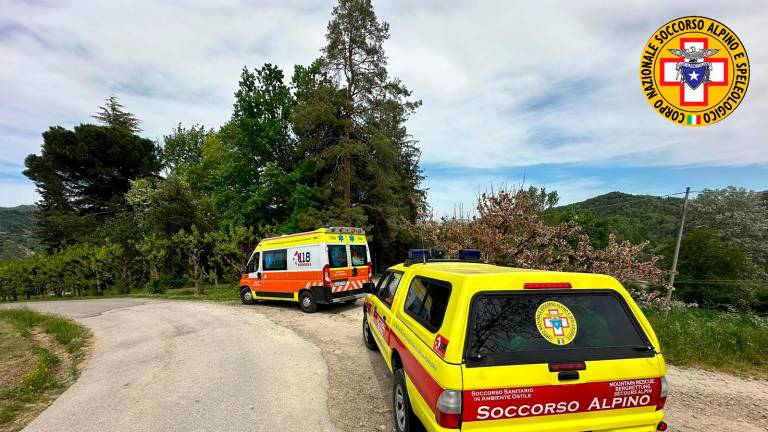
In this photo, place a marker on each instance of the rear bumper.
(625, 422)
(323, 295)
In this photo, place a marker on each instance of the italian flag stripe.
(693, 119)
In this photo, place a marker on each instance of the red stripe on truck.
(523, 402)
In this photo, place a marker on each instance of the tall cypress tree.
(350, 119)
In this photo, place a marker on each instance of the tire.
(368, 340)
(350, 302)
(404, 417)
(246, 296)
(307, 302)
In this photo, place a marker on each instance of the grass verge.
(40, 358)
(717, 341)
(221, 292)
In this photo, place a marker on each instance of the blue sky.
(546, 92)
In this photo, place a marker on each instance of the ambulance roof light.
(345, 230)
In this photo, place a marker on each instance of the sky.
(541, 93)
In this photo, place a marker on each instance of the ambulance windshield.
(540, 327)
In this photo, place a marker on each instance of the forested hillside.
(17, 240)
(630, 217)
(723, 260)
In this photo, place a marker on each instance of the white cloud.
(503, 83)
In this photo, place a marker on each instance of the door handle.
(354, 271)
(568, 375)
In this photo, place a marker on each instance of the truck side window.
(427, 301)
(389, 287)
(275, 260)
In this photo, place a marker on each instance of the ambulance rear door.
(565, 360)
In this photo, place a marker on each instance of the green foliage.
(707, 267)
(184, 147)
(112, 114)
(714, 340)
(636, 218)
(82, 176)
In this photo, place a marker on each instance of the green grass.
(728, 342)
(35, 385)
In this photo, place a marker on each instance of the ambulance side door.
(381, 310)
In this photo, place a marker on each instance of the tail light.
(448, 406)
(662, 426)
(663, 392)
(326, 276)
(561, 367)
(547, 285)
(370, 271)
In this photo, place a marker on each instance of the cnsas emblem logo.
(556, 323)
(694, 71)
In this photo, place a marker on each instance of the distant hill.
(17, 239)
(631, 217)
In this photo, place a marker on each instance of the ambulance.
(479, 347)
(328, 265)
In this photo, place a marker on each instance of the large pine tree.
(350, 119)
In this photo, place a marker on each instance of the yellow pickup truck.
(479, 347)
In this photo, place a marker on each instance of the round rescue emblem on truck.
(556, 323)
(694, 71)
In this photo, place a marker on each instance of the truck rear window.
(575, 326)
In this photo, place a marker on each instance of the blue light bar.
(419, 254)
(469, 254)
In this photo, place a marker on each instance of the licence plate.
(339, 283)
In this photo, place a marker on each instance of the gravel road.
(193, 366)
(188, 366)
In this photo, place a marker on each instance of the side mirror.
(243, 269)
(369, 288)
(258, 275)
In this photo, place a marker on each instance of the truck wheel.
(307, 302)
(246, 296)
(405, 419)
(368, 336)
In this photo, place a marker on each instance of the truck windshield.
(541, 327)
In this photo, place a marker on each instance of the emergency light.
(419, 254)
(469, 254)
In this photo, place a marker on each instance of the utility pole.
(671, 287)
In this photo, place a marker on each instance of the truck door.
(380, 313)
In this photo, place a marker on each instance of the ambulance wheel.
(405, 419)
(246, 296)
(368, 336)
(307, 303)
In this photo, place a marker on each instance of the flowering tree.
(509, 230)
